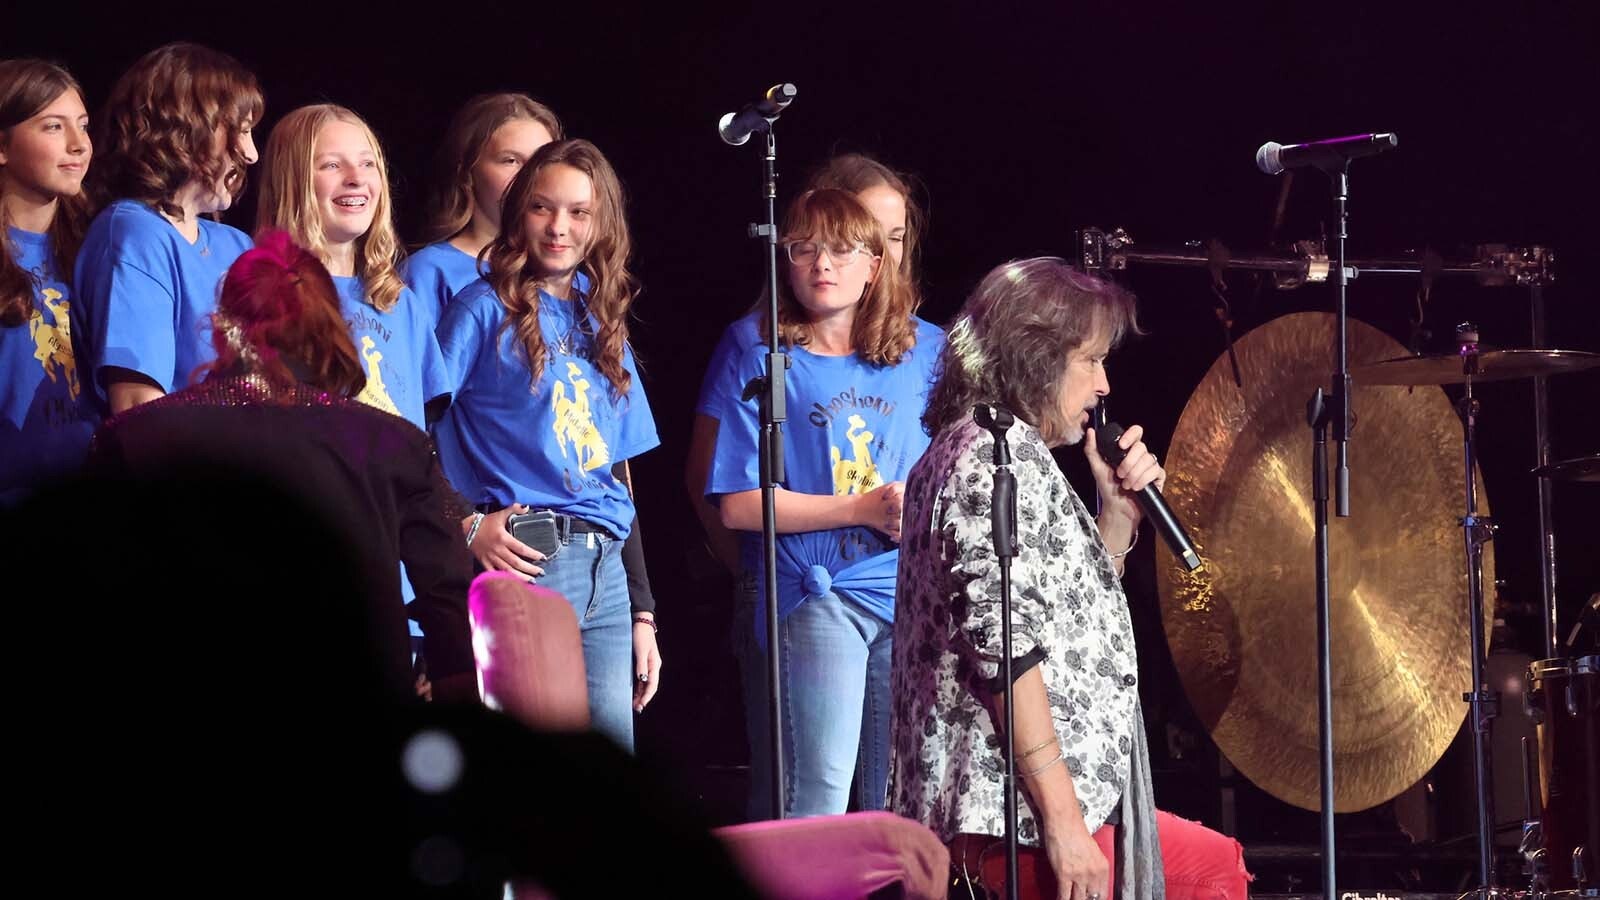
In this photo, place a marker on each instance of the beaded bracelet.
(647, 620)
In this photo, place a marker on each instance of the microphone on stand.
(1106, 435)
(736, 128)
(1274, 157)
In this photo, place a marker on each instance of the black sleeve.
(639, 596)
(456, 506)
(440, 570)
(1019, 667)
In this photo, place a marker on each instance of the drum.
(1564, 698)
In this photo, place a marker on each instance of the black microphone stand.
(1319, 414)
(1003, 512)
(771, 392)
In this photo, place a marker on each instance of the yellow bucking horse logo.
(53, 343)
(859, 474)
(375, 394)
(575, 424)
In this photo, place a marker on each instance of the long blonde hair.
(289, 199)
(515, 275)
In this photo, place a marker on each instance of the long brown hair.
(1010, 342)
(883, 329)
(289, 200)
(857, 172)
(515, 275)
(160, 125)
(278, 317)
(450, 201)
(27, 86)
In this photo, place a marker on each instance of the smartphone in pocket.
(537, 529)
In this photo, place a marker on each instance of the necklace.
(578, 325)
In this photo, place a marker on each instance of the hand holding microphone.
(1127, 473)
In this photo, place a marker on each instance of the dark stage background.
(1024, 121)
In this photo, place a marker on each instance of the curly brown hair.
(883, 329)
(27, 86)
(1010, 342)
(516, 278)
(160, 126)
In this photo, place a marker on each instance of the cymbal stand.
(1484, 701)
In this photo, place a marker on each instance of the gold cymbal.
(1486, 365)
(1243, 627)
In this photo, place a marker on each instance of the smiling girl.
(549, 408)
(44, 154)
(326, 184)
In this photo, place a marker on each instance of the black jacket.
(371, 480)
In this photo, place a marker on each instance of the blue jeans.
(587, 570)
(834, 661)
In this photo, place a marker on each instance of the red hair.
(279, 318)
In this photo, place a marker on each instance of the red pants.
(1200, 863)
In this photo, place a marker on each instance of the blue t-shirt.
(438, 272)
(549, 445)
(145, 296)
(852, 427)
(46, 429)
(398, 351)
(401, 358)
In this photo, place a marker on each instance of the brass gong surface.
(1242, 628)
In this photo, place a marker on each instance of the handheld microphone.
(1106, 435)
(736, 128)
(1274, 157)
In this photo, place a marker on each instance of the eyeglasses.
(804, 253)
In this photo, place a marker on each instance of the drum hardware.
(1581, 468)
(1564, 700)
(1230, 430)
(1489, 264)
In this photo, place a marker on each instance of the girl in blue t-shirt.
(861, 366)
(888, 195)
(487, 143)
(327, 185)
(44, 154)
(549, 408)
(173, 149)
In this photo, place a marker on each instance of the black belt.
(566, 525)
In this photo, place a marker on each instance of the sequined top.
(1068, 613)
